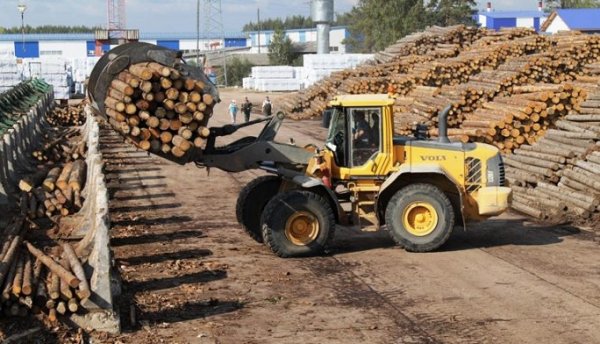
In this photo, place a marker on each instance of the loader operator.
(361, 130)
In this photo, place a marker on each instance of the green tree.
(237, 70)
(49, 29)
(554, 4)
(280, 49)
(375, 24)
(451, 12)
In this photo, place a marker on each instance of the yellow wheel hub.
(302, 228)
(419, 218)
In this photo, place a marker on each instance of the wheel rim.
(302, 228)
(420, 218)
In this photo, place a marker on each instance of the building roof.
(363, 100)
(90, 36)
(308, 29)
(584, 19)
(513, 14)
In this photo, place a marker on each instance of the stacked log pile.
(33, 281)
(525, 117)
(159, 109)
(446, 64)
(558, 177)
(67, 116)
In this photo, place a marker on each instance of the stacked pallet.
(159, 109)
(33, 281)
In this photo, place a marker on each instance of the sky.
(177, 15)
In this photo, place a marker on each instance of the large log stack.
(558, 177)
(534, 97)
(70, 115)
(159, 109)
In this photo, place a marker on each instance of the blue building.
(76, 46)
(506, 19)
(581, 19)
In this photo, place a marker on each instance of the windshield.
(337, 125)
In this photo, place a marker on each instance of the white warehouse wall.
(7, 48)
(525, 22)
(557, 25)
(66, 49)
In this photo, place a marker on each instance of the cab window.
(336, 138)
(365, 143)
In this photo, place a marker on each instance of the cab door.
(369, 143)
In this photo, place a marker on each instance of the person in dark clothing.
(267, 107)
(246, 109)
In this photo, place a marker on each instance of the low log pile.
(33, 281)
(54, 188)
(159, 109)
(67, 116)
(558, 177)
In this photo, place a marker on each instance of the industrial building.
(581, 19)
(262, 39)
(496, 20)
(78, 46)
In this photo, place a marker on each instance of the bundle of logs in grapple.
(159, 109)
(70, 115)
(33, 281)
(54, 188)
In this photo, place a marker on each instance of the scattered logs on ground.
(559, 176)
(159, 109)
(70, 115)
(33, 281)
(59, 145)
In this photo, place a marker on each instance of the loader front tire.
(420, 217)
(297, 223)
(252, 201)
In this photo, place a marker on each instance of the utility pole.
(198, 33)
(22, 8)
(258, 23)
(213, 27)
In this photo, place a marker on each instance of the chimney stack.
(540, 6)
(489, 6)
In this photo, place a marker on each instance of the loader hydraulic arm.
(252, 152)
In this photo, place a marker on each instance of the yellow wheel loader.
(416, 188)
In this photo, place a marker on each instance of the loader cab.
(360, 135)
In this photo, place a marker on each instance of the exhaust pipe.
(443, 125)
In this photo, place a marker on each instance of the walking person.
(233, 109)
(267, 107)
(246, 109)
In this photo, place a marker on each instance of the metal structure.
(116, 28)
(322, 15)
(117, 16)
(22, 8)
(213, 29)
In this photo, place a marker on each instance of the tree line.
(49, 29)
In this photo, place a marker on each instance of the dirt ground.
(190, 274)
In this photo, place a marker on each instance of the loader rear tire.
(420, 217)
(251, 202)
(298, 223)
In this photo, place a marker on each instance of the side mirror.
(326, 119)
